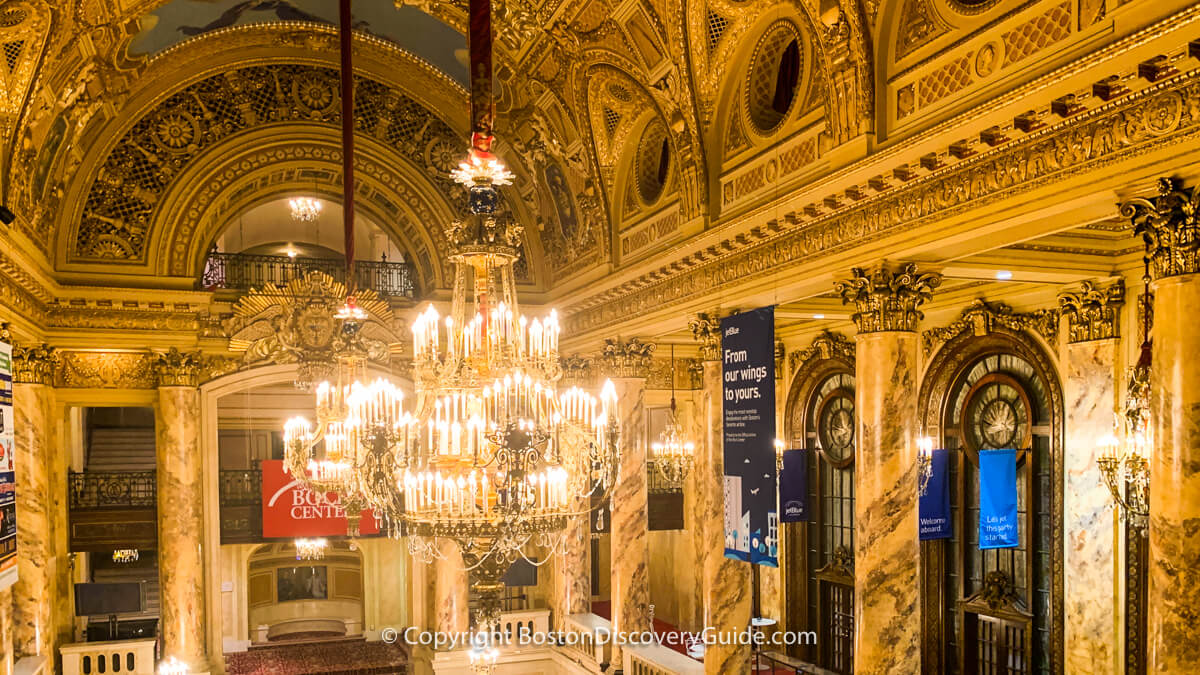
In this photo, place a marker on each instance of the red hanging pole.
(479, 42)
(347, 76)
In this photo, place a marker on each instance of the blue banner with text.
(934, 506)
(998, 526)
(748, 373)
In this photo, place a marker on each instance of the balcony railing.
(241, 487)
(242, 271)
(113, 490)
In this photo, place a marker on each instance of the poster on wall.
(748, 374)
(998, 525)
(8, 493)
(934, 504)
(291, 510)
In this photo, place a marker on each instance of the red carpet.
(662, 629)
(352, 656)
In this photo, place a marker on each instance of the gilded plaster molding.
(630, 358)
(982, 317)
(1169, 225)
(34, 364)
(887, 299)
(174, 368)
(1092, 311)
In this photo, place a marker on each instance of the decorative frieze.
(706, 329)
(177, 369)
(34, 365)
(1092, 311)
(632, 358)
(1169, 226)
(887, 299)
(981, 317)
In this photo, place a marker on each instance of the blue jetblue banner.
(793, 487)
(748, 370)
(997, 499)
(934, 506)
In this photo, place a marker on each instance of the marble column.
(451, 590)
(6, 632)
(33, 594)
(725, 582)
(180, 506)
(571, 592)
(628, 364)
(1090, 360)
(1173, 632)
(887, 600)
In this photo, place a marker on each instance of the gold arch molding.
(133, 219)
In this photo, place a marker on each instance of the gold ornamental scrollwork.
(631, 358)
(1169, 225)
(174, 368)
(1091, 311)
(577, 371)
(887, 299)
(34, 365)
(294, 323)
(706, 329)
(106, 370)
(827, 345)
(981, 317)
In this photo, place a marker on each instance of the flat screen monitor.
(106, 599)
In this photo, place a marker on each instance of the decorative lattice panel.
(12, 53)
(944, 81)
(715, 26)
(121, 203)
(611, 120)
(764, 75)
(1034, 36)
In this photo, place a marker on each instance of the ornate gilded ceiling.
(655, 141)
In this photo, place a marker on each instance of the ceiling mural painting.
(404, 26)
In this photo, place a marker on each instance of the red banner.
(291, 510)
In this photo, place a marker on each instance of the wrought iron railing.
(242, 271)
(109, 490)
(241, 487)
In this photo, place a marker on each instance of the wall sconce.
(924, 463)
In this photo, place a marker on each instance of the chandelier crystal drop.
(311, 549)
(305, 209)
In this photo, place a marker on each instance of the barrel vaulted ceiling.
(134, 131)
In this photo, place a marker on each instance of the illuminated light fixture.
(924, 463)
(1124, 460)
(305, 209)
(1004, 275)
(291, 251)
(125, 555)
(311, 549)
(173, 666)
(673, 453)
(492, 456)
(818, 316)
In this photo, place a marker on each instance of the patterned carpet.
(352, 656)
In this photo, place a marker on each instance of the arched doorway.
(996, 610)
(820, 553)
(291, 599)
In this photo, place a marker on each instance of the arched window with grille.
(820, 553)
(999, 610)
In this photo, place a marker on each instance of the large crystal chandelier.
(305, 209)
(311, 549)
(673, 453)
(491, 455)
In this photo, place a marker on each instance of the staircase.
(120, 449)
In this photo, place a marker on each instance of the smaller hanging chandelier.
(672, 455)
(311, 549)
(924, 463)
(305, 209)
(125, 555)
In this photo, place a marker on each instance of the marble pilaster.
(725, 582)
(181, 574)
(572, 589)
(33, 595)
(887, 589)
(1168, 225)
(6, 632)
(1173, 633)
(451, 587)
(1089, 388)
(630, 545)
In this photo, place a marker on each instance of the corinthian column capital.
(34, 365)
(632, 358)
(177, 369)
(1170, 227)
(887, 298)
(1092, 310)
(706, 329)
